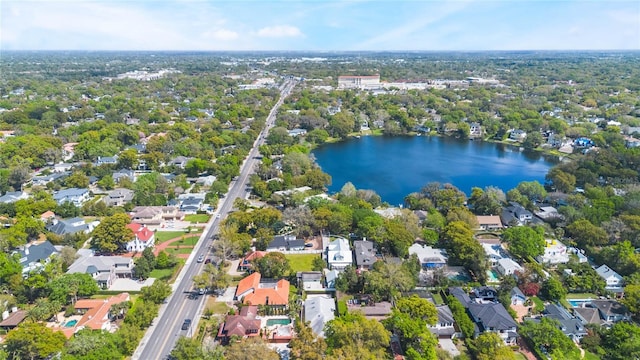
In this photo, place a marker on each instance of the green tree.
(546, 335)
(318, 263)
(273, 265)
(68, 287)
(489, 346)
(463, 249)
(584, 233)
(33, 341)
(156, 292)
(142, 268)
(77, 180)
(128, 159)
(466, 326)
(488, 201)
(112, 234)
(249, 349)
(352, 336)
(306, 345)
(409, 320)
(90, 344)
(524, 242)
(192, 349)
(107, 182)
(622, 342)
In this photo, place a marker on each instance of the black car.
(186, 324)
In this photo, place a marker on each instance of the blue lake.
(395, 166)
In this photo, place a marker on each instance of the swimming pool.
(271, 322)
(578, 302)
(492, 276)
(70, 323)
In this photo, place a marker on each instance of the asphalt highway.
(161, 337)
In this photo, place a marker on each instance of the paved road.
(162, 335)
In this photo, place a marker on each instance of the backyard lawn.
(161, 274)
(581, 296)
(538, 304)
(590, 356)
(301, 262)
(162, 236)
(520, 356)
(181, 250)
(197, 218)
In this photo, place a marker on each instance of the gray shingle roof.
(491, 316)
(37, 253)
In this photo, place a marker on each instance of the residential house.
(104, 269)
(365, 254)
(96, 314)
(73, 195)
(12, 320)
(143, 238)
(475, 130)
(429, 257)
(285, 243)
(245, 263)
(609, 312)
(191, 204)
(517, 296)
(70, 226)
(444, 327)
(35, 257)
(118, 197)
(180, 161)
(613, 280)
(106, 160)
(588, 315)
(555, 252)
(310, 281)
(518, 135)
(47, 216)
(506, 266)
(63, 167)
(516, 214)
(155, 215)
(490, 223)
(330, 277)
(13, 196)
(493, 317)
(318, 311)
(252, 291)
(244, 325)
(43, 180)
(338, 254)
(548, 213)
(297, 132)
(487, 315)
(569, 324)
(123, 174)
(494, 252)
(582, 258)
(485, 294)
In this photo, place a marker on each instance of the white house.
(506, 266)
(429, 257)
(143, 237)
(339, 254)
(555, 252)
(612, 279)
(73, 195)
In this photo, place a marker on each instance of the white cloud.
(221, 34)
(280, 31)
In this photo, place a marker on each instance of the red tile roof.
(244, 324)
(96, 315)
(141, 232)
(254, 294)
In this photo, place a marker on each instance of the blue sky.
(353, 25)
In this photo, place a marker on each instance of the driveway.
(126, 284)
(449, 346)
(228, 295)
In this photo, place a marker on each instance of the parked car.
(200, 258)
(208, 261)
(186, 324)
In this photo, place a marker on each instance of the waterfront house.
(338, 254)
(490, 222)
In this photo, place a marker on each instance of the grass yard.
(590, 356)
(161, 274)
(197, 218)
(538, 304)
(191, 241)
(437, 298)
(581, 296)
(520, 356)
(162, 236)
(301, 262)
(216, 307)
(181, 250)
